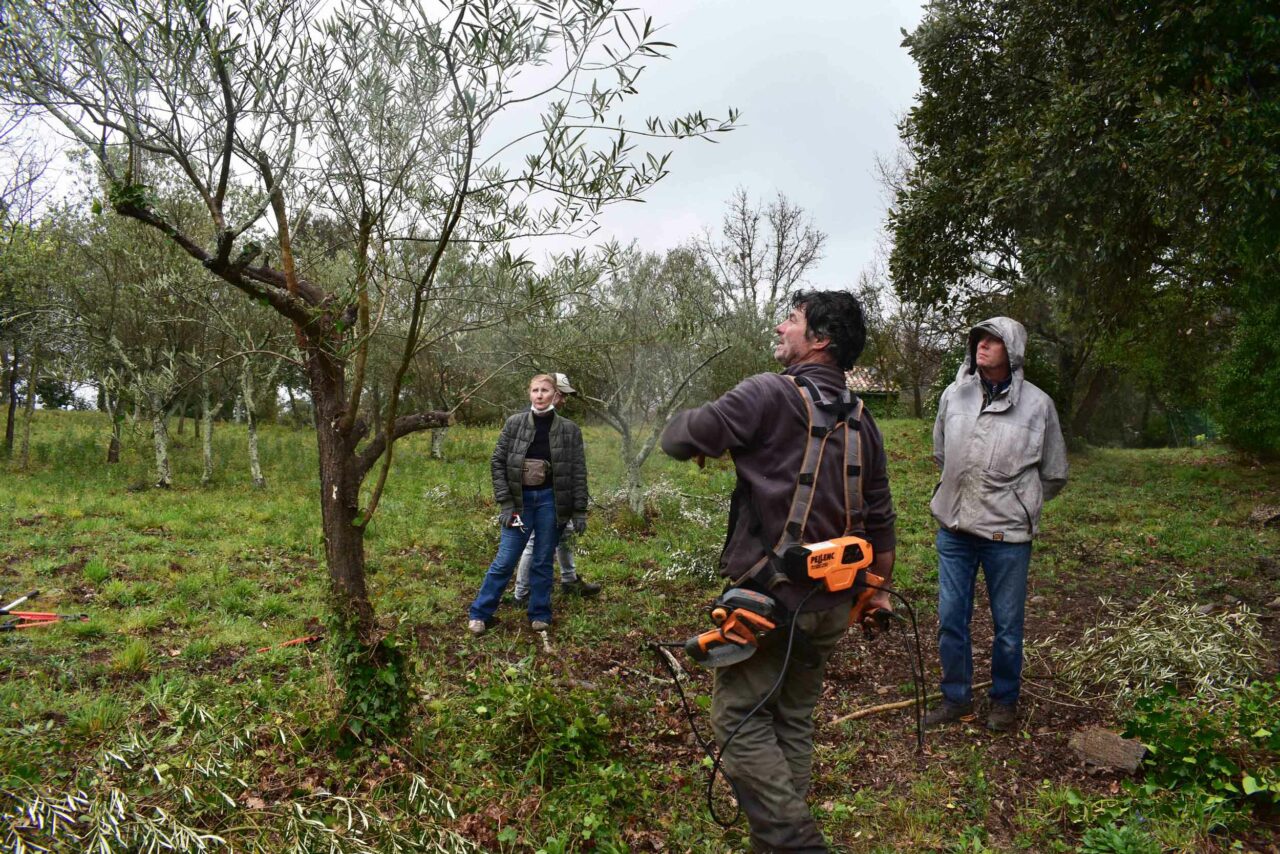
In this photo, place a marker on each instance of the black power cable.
(708, 747)
(716, 756)
(917, 670)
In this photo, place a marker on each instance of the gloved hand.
(505, 518)
(579, 524)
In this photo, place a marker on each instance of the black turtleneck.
(540, 447)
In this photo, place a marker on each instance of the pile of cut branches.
(1165, 640)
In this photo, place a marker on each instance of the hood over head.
(1008, 330)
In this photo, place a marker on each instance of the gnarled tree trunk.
(340, 481)
(11, 392)
(33, 374)
(1098, 386)
(111, 405)
(251, 420)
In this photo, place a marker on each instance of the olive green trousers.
(770, 758)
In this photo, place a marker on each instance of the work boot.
(948, 712)
(579, 587)
(1002, 717)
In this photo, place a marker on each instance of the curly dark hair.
(836, 316)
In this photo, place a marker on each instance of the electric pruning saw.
(745, 618)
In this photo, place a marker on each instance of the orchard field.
(160, 720)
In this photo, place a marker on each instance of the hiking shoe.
(539, 625)
(580, 587)
(476, 627)
(948, 712)
(1002, 717)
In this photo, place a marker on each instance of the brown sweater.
(762, 423)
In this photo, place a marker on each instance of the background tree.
(906, 340)
(23, 164)
(636, 346)
(1098, 172)
(219, 96)
(761, 255)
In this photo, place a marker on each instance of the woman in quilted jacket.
(539, 471)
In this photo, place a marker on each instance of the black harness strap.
(826, 416)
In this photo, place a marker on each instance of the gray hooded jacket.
(999, 463)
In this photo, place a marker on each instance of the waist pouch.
(535, 472)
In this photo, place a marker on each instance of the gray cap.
(562, 384)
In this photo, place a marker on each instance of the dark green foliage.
(951, 363)
(1249, 393)
(1117, 840)
(123, 194)
(1107, 175)
(376, 683)
(1230, 751)
(550, 732)
(883, 406)
(56, 394)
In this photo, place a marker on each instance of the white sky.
(820, 85)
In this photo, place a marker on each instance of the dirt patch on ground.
(73, 568)
(863, 673)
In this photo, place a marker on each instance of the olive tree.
(430, 124)
(636, 346)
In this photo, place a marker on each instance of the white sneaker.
(476, 627)
(539, 625)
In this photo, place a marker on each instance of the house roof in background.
(865, 380)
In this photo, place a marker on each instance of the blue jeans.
(539, 517)
(564, 555)
(1005, 567)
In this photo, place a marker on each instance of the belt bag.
(535, 473)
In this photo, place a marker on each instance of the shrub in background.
(1249, 393)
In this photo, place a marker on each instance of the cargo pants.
(771, 757)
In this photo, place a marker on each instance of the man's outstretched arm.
(719, 426)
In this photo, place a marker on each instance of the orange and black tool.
(840, 564)
(31, 619)
(743, 618)
(836, 563)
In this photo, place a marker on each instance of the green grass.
(566, 751)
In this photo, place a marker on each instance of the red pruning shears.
(31, 619)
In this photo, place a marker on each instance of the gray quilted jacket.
(999, 464)
(568, 465)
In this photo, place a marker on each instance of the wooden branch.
(404, 425)
(891, 707)
(454, 214)
(605, 411)
(362, 317)
(466, 396)
(244, 280)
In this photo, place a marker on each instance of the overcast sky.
(820, 84)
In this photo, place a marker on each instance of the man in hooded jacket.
(999, 445)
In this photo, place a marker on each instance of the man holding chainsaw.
(998, 443)
(810, 464)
